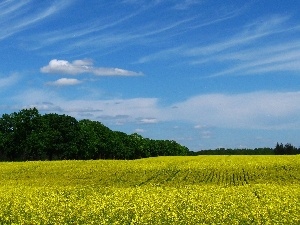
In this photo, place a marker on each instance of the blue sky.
(207, 74)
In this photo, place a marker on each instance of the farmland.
(162, 190)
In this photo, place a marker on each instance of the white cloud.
(65, 82)
(84, 66)
(200, 126)
(247, 110)
(255, 110)
(8, 81)
(148, 120)
(64, 67)
(113, 110)
(115, 72)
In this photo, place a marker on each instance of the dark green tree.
(279, 149)
(289, 149)
(16, 130)
(27, 135)
(94, 139)
(138, 146)
(61, 133)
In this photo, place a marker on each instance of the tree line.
(28, 135)
(280, 149)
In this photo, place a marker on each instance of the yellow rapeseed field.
(163, 190)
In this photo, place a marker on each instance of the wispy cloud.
(186, 4)
(84, 66)
(15, 17)
(9, 8)
(92, 37)
(195, 23)
(178, 5)
(8, 81)
(249, 35)
(118, 33)
(262, 61)
(243, 54)
(161, 55)
(80, 33)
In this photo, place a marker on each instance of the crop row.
(167, 171)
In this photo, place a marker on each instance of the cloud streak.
(186, 4)
(246, 56)
(251, 33)
(15, 17)
(242, 53)
(118, 33)
(84, 66)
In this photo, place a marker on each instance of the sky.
(207, 74)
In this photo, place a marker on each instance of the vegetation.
(280, 149)
(27, 135)
(161, 190)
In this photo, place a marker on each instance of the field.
(163, 190)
